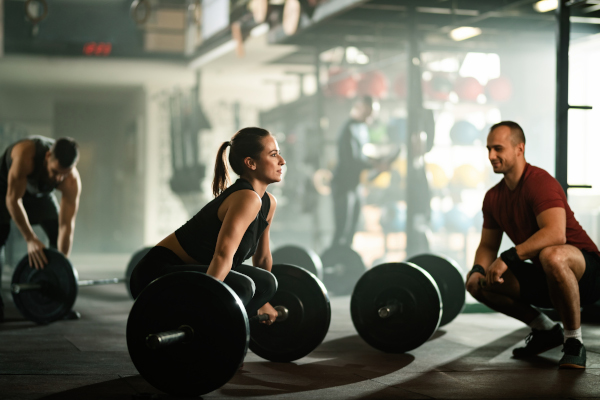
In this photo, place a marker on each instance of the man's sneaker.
(538, 342)
(574, 354)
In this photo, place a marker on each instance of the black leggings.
(254, 286)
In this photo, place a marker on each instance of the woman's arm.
(262, 258)
(242, 208)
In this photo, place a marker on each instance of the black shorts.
(534, 287)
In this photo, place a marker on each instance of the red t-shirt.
(515, 212)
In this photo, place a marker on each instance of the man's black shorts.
(534, 287)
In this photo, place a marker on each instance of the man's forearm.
(543, 238)
(65, 239)
(19, 216)
(485, 256)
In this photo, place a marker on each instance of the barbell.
(339, 267)
(188, 333)
(396, 307)
(47, 295)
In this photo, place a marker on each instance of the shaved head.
(516, 132)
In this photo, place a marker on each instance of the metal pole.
(94, 282)
(414, 109)
(1, 28)
(318, 112)
(562, 93)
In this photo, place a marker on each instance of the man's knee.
(554, 260)
(475, 290)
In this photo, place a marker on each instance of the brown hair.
(246, 142)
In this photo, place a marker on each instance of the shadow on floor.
(125, 388)
(483, 377)
(340, 366)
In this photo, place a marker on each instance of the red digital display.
(97, 49)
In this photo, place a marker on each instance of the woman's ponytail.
(221, 179)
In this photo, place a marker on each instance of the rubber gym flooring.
(468, 359)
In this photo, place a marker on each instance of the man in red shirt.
(563, 271)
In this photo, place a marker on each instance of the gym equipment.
(499, 89)
(450, 281)
(296, 255)
(306, 321)
(396, 307)
(199, 349)
(464, 133)
(340, 83)
(373, 83)
(438, 88)
(338, 268)
(188, 333)
(342, 268)
(467, 176)
(468, 88)
(436, 176)
(47, 295)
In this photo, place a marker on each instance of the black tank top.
(198, 236)
(38, 183)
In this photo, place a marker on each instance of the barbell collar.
(388, 311)
(159, 340)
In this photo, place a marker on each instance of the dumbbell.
(339, 267)
(188, 333)
(47, 295)
(396, 307)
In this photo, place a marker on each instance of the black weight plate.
(307, 301)
(419, 313)
(342, 268)
(57, 297)
(449, 278)
(304, 258)
(135, 259)
(216, 315)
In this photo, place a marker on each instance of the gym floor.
(470, 358)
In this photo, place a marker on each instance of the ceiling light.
(545, 5)
(464, 32)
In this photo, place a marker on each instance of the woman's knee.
(242, 285)
(266, 284)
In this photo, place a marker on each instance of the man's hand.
(473, 281)
(268, 309)
(495, 272)
(35, 253)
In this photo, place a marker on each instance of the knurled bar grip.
(282, 314)
(163, 339)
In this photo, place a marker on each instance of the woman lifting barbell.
(230, 229)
